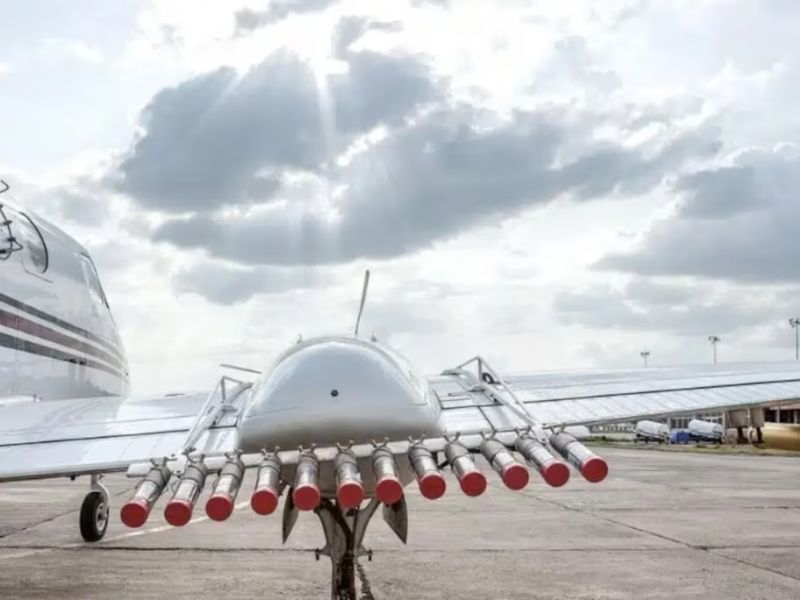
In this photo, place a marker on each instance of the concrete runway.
(663, 525)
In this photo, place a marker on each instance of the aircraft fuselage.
(338, 390)
(57, 336)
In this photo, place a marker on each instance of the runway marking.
(122, 536)
(161, 528)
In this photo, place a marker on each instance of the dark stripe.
(16, 343)
(61, 323)
(51, 335)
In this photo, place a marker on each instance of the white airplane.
(341, 424)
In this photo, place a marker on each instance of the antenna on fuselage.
(4, 187)
(363, 300)
(239, 368)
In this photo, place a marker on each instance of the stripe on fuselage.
(37, 330)
(23, 345)
(39, 314)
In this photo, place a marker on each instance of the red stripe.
(38, 330)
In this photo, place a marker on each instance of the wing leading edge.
(107, 434)
(469, 401)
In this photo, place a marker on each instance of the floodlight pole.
(645, 354)
(795, 324)
(714, 339)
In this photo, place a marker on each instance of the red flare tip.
(134, 513)
(350, 494)
(432, 485)
(306, 497)
(264, 501)
(178, 513)
(594, 469)
(389, 490)
(556, 474)
(515, 476)
(219, 507)
(473, 483)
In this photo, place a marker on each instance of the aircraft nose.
(335, 392)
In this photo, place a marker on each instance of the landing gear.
(94, 512)
(344, 534)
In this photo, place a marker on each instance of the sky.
(549, 185)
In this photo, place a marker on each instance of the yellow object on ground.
(781, 436)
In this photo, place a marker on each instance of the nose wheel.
(94, 512)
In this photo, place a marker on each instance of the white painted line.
(122, 536)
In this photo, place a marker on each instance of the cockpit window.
(92, 280)
(33, 244)
(18, 233)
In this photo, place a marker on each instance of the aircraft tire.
(94, 517)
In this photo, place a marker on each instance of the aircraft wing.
(99, 435)
(40, 439)
(473, 397)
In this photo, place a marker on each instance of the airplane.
(338, 426)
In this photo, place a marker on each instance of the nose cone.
(336, 390)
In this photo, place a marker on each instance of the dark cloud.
(82, 206)
(248, 20)
(721, 193)
(737, 222)
(644, 305)
(448, 172)
(220, 139)
(225, 284)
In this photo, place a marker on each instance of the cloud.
(645, 305)
(225, 284)
(450, 171)
(248, 20)
(219, 139)
(82, 206)
(5, 68)
(737, 222)
(351, 28)
(75, 49)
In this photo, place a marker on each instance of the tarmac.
(663, 525)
